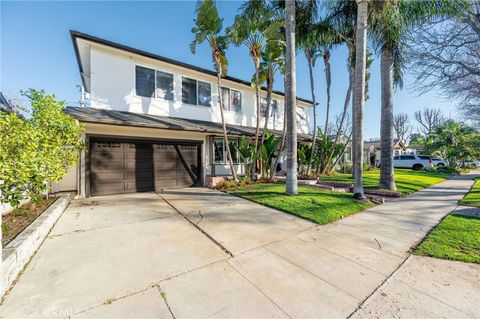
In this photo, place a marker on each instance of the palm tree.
(290, 97)
(391, 21)
(248, 29)
(208, 26)
(359, 97)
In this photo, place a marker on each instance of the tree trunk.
(328, 79)
(225, 138)
(269, 100)
(359, 96)
(257, 102)
(290, 99)
(284, 137)
(344, 115)
(387, 179)
(343, 150)
(312, 89)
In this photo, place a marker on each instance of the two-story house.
(154, 123)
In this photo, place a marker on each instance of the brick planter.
(19, 251)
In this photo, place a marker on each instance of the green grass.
(319, 206)
(455, 238)
(407, 181)
(473, 197)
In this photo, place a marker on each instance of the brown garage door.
(176, 165)
(118, 167)
(126, 167)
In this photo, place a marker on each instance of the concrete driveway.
(196, 253)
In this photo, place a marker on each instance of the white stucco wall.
(112, 78)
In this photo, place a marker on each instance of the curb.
(19, 251)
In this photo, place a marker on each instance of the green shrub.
(37, 149)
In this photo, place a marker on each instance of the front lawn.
(473, 197)
(319, 206)
(457, 237)
(407, 181)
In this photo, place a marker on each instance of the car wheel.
(440, 165)
(417, 167)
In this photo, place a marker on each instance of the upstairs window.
(204, 93)
(151, 83)
(232, 100)
(144, 81)
(196, 92)
(164, 85)
(263, 107)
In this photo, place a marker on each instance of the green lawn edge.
(456, 237)
(473, 196)
(319, 206)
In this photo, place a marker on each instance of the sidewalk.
(134, 256)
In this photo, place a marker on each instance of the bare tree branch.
(429, 119)
(401, 126)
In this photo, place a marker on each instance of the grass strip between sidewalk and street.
(473, 197)
(457, 237)
(319, 206)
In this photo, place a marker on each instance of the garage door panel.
(122, 167)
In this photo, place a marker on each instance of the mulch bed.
(18, 219)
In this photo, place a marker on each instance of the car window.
(409, 157)
(424, 157)
(396, 157)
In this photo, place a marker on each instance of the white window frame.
(225, 154)
(271, 100)
(155, 82)
(196, 98)
(230, 99)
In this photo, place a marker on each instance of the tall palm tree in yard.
(248, 29)
(359, 97)
(208, 26)
(290, 97)
(390, 23)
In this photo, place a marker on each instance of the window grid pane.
(236, 104)
(226, 98)
(144, 81)
(218, 151)
(189, 91)
(204, 93)
(164, 85)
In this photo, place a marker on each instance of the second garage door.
(126, 167)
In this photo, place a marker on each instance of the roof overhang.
(111, 117)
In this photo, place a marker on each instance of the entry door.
(176, 165)
(120, 167)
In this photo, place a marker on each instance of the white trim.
(155, 97)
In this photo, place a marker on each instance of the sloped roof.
(92, 115)
(376, 144)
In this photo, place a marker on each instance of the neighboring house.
(415, 149)
(371, 150)
(154, 122)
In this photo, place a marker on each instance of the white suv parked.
(415, 162)
(439, 162)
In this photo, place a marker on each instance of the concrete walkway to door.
(136, 256)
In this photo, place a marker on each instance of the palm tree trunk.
(387, 179)
(290, 99)
(312, 89)
(225, 138)
(343, 150)
(359, 96)
(284, 137)
(328, 79)
(344, 115)
(257, 102)
(269, 100)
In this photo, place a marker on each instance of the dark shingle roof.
(92, 115)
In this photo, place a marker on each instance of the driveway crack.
(197, 227)
(164, 297)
